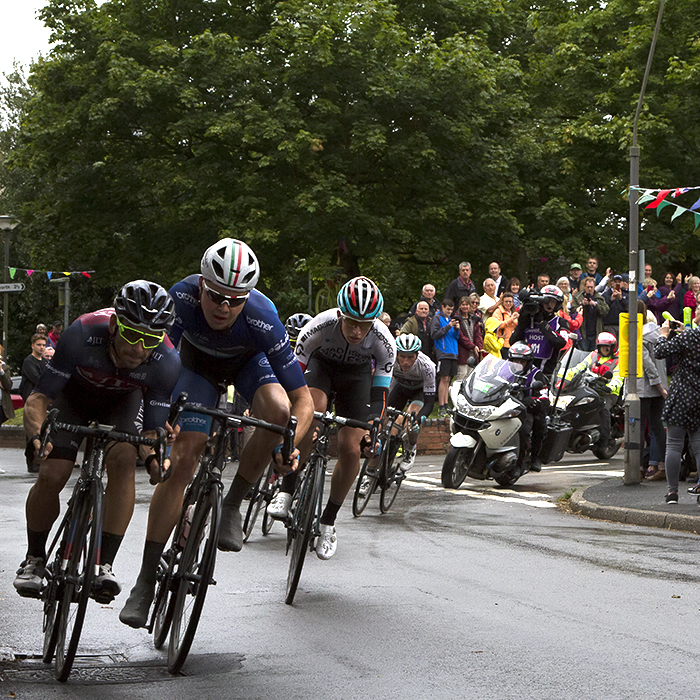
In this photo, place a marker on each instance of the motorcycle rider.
(541, 328)
(601, 360)
(534, 422)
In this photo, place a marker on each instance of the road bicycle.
(261, 495)
(384, 471)
(302, 522)
(186, 569)
(73, 557)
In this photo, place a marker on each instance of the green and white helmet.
(408, 343)
(231, 264)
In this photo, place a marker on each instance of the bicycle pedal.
(102, 597)
(37, 594)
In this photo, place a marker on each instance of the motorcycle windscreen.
(490, 380)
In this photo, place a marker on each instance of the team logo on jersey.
(259, 324)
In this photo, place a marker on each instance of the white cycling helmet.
(408, 343)
(231, 264)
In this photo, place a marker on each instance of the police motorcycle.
(579, 400)
(486, 426)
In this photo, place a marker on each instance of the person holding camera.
(594, 309)
(540, 327)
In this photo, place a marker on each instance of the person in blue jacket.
(444, 330)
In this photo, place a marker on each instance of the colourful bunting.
(50, 273)
(657, 200)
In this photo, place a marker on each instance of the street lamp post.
(633, 423)
(7, 223)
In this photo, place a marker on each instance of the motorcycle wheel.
(455, 466)
(608, 452)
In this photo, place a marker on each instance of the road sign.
(12, 287)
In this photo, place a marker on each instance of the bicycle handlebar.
(104, 433)
(328, 417)
(288, 432)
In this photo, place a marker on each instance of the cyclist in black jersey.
(118, 367)
(227, 333)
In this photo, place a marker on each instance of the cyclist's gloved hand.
(151, 463)
(280, 466)
(366, 446)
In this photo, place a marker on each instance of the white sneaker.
(409, 457)
(365, 486)
(327, 542)
(106, 587)
(279, 506)
(30, 577)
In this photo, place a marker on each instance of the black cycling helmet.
(522, 354)
(146, 305)
(295, 323)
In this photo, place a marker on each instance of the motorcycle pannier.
(555, 441)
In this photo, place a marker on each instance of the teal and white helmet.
(231, 264)
(408, 343)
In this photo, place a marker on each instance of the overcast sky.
(23, 37)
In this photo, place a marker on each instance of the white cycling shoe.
(279, 506)
(409, 457)
(327, 542)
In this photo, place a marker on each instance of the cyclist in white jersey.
(413, 383)
(336, 351)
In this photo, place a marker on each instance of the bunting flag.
(50, 273)
(658, 199)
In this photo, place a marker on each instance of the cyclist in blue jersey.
(118, 367)
(227, 333)
(337, 350)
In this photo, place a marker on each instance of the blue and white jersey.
(256, 330)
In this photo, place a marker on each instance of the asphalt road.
(480, 593)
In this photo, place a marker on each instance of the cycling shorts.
(350, 383)
(81, 407)
(202, 376)
(400, 396)
(446, 367)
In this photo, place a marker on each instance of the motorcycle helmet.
(145, 305)
(607, 340)
(295, 323)
(360, 299)
(553, 293)
(408, 343)
(232, 265)
(522, 354)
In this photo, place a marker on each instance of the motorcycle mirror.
(608, 375)
(537, 385)
(471, 362)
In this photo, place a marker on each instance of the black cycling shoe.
(536, 464)
(135, 612)
(230, 530)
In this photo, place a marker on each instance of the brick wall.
(12, 436)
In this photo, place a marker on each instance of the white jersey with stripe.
(420, 376)
(324, 335)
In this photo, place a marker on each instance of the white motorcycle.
(485, 424)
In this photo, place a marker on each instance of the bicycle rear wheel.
(79, 556)
(257, 498)
(164, 601)
(193, 576)
(392, 474)
(307, 498)
(361, 497)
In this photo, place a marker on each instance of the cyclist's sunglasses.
(219, 299)
(134, 336)
(354, 323)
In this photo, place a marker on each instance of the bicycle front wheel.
(79, 559)
(307, 499)
(193, 576)
(366, 485)
(164, 601)
(392, 475)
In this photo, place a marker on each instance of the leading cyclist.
(118, 367)
(337, 350)
(228, 333)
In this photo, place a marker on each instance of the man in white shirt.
(489, 301)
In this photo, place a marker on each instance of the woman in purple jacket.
(671, 292)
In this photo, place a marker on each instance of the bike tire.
(360, 501)
(267, 523)
(51, 598)
(392, 474)
(310, 489)
(193, 577)
(257, 498)
(164, 601)
(273, 490)
(84, 534)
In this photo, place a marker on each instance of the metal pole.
(633, 427)
(5, 279)
(66, 307)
